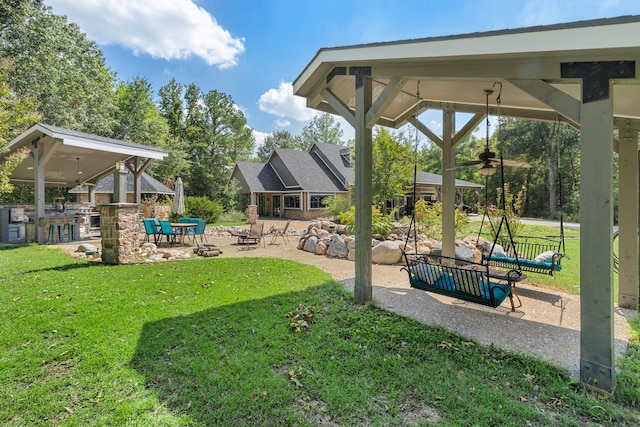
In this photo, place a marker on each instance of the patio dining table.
(183, 227)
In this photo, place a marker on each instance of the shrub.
(202, 207)
(514, 208)
(233, 217)
(334, 206)
(380, 223)
(428, 219)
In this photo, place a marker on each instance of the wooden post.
(597, 352)
(363, 290)
(628, 256)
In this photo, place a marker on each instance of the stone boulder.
(321, 248)
(87, 247)
(310, 244)
(386, 252)
(337, 248)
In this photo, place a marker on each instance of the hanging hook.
(498, 100)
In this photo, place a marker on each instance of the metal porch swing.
(463, 280)
(526, 253)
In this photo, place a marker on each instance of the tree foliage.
(324, 129)
(137, 117)
(58, 66)
(392, 167)
(278, 139)
(16, 114)
(218, 136)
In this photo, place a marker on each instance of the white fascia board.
(111, 148)
(557, 42)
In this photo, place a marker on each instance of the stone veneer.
(252, 214)
(119, 230)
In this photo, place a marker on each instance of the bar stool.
(55, 232)
(72, 230)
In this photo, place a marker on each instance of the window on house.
(292, 201)
(315, 200)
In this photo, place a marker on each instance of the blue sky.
(253, 49)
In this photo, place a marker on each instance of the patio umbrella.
(178, 198)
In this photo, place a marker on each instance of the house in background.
(293, 183)
(149, 187)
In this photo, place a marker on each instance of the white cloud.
(283, 103)
(259, 137)
(282, 123)
(167, 29)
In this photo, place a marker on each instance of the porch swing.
(461, 279)
(531, 254)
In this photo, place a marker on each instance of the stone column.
(119, 230)
(252, 214)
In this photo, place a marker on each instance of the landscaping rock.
(386, 252)
(337, 248)
(321, 248)
(86, 247)
(310, 244)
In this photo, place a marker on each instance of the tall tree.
(16, 115)
(137, 116)
(172, 108)
(323, 128)
(540, 144)
(218, 136)
(58, 66)
(178, 162)
(278, 139)
(392, 166)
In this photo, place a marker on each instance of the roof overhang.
(75, 154)
(451, 73)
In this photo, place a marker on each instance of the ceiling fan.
(487, 159)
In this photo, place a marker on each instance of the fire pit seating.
(465, 280)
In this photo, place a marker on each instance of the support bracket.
(596, 75)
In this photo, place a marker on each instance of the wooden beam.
(339, 107)
(564, 104)
(384, 100)
(424, 129)
(467, 129)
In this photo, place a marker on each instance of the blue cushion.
(523, 262)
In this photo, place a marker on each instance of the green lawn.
(567, 279)
(210, 342)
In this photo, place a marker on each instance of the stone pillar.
(119, 230)
(252, 214)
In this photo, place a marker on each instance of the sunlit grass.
(209, 342)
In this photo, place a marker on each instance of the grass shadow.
(229, 365)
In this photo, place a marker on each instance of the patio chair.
(151, 229)
(167, 230)
(281, 233)
(199, 230)
(253, 235)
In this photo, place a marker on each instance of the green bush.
(429, 219)
(202, 207)
(380, 223)
(232, 217)
(334, 206)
